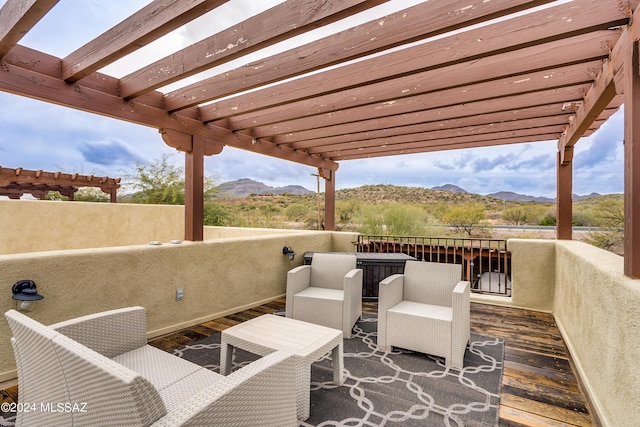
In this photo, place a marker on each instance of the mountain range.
(245, 187)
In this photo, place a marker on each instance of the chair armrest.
(352, 306)
(297, 280)
(110, 333)
(262, 393)
(353, 283)
(390, 293)
(461, 307)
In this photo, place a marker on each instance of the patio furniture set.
(98, 369)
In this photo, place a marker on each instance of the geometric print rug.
(400, 388)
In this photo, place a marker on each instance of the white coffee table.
(307, 342)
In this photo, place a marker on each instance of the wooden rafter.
(17, 17)
(257, 32)
(148, 24)
(421, 21)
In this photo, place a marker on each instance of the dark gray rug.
(398, 388)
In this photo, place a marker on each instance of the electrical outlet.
(179, 294)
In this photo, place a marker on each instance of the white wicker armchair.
(426, 309)
(328, 292)
(101, 369)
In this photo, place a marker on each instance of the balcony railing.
(486, 263)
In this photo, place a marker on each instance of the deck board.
(539, 387)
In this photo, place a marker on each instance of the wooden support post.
(632, 163)
(564, 202)
(194, 191)
(329, 198)
(195, 148)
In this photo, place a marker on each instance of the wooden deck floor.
(538, 386)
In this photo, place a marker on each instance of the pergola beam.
(486, 132)
(553, 24)
(588, 49)
(39, 86)
(418, 22)
(17, 17)
(278, 23)
(549, 132)
(374, 119)
(446, 145)
(489, 91)
(153, 21)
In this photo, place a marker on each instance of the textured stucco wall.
(598, 311)
(533, 273)
(42, 225)
(219, 277)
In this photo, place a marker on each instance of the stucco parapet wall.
(596, 308)
(533, 273)
(213, 232)
(219, 277)
(44, 225)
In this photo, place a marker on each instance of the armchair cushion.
(327, 293)
(328, 270)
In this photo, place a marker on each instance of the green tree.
(161, 182)
(517, 215)
(465, 218)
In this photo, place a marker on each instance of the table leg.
(226, 356)
(303, 390)
(338, 364)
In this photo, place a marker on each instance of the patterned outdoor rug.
(384, 389)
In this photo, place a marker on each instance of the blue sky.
(37, 135)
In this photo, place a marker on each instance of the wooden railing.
(486, 263)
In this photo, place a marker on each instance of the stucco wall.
(598, 311)
(219, 277)
(42, 225)
(533, 273)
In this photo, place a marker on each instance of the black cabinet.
(375, 267)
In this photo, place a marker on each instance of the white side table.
(306, 341)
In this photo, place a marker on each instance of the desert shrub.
(217, 214)
(296, 212)
(404, 220)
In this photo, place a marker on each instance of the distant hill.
(450, 187)
(245, 187)
(385, 192)
(515, 197)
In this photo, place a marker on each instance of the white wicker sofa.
(98, 370)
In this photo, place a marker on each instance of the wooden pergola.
(440, 75)
(14, 183)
